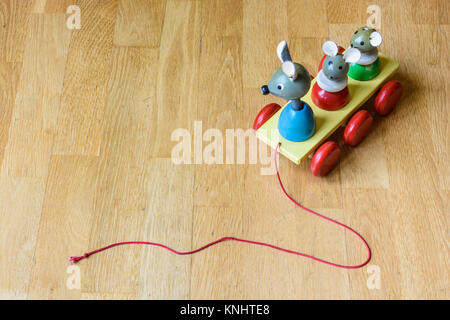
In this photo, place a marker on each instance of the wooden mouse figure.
(330, 91)
(366, 40)
(291, 82)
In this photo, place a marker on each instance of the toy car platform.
(326, 121)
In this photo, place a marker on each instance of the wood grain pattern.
(86, 118)
(177, 79)
(27, 154)
(9, 79)
(300, 12)
(19, 228)
(219, 184)
(81, 118)
(52, 6)
(67, 213)
(120, 208)
(139, 23)
(168, 219)
(37, 101)
(264, 24)
(14, 24)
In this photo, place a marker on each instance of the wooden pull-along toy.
(346, 80)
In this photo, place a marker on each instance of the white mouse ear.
(352, 55)
(288, 69)
(375, 39)
(330, 48)
(283, 52)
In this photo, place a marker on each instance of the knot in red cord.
(75, 259)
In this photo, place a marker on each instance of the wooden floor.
(86, 118)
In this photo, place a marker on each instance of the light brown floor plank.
(65, 226)
(81, 119)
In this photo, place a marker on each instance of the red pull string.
(76, 259)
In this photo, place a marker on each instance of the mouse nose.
(265, 90)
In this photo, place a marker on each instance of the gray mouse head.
(291, 81)
(366, 39)
(335, 65)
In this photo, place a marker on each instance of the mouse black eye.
(351, 45)
(361, 43)
(340, 67)
(330, 63)
(280, 86)
(356, 32)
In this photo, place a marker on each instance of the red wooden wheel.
(358, 127)
(388, 97)
(325, 158)
(265, 114)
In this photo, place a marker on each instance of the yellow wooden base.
(326, 121)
